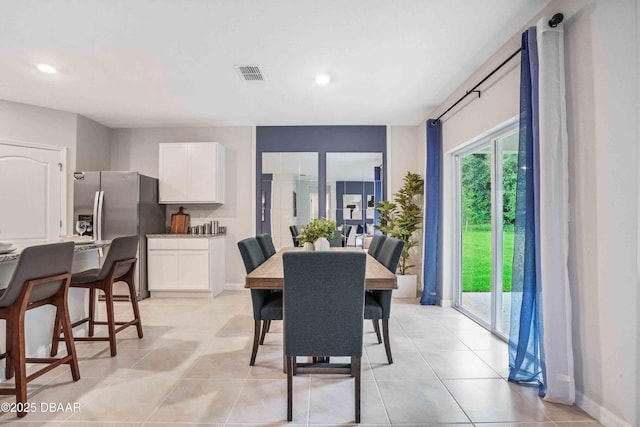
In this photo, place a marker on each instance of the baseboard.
(601, 414)
(234, 286)
(446, 303)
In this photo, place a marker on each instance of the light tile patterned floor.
(192, 368)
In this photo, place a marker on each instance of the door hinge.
(60, 166)
(60, 224)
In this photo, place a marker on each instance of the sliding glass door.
(486, 185)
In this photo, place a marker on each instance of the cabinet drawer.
(162, 244)
(193, 243)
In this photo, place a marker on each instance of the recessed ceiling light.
(323, 79)
(46, 68)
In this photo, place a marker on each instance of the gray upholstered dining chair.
(323, 306)
(377, 303)
(376, 245)
(41, 277)
(294, 235)
(267, 305)
(337, 241)
(266, 245)
(119, 266)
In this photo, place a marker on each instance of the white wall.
(93, 145)
(406, 153)
(28, 123)
(601, 45)
(137, 150)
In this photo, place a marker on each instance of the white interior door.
(31, 193)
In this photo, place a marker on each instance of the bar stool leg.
(19, 360)
(8, 371)
(68, 338)
(92, 310)
(57, 328)
(134, 305)
(111, 321)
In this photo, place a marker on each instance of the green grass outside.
(476, 258)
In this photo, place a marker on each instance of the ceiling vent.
(250, 73)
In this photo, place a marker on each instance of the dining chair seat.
(86, 276)
(372, 308)
(272, 308)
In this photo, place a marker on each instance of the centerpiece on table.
(316, 235)
(402, 220)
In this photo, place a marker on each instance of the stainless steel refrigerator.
(120, 204)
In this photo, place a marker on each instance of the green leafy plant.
(319, 227)
(403, 217)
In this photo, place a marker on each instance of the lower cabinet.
(178, 264)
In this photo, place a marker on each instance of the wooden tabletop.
(270, 275)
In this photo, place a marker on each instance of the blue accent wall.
(321, 140)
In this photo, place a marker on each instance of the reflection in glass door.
(486, 188)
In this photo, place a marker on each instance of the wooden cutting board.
(179, 222)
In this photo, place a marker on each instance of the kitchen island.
(39, 322)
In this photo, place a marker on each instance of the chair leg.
(268, 325)
(256, 340)
(92, 310)
(63, 313)
(376, 327)
(136, 309)
(289, 388)
(111, 321)
(265, 328)
(19, 362)
(387, 343)
(8, 370)
(56, 333)
(356, 366)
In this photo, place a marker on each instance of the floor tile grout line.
(244, 384)
(375, 381)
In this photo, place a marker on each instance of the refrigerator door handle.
(100, 213)
(95, 215)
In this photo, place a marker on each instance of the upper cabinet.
(191, 172)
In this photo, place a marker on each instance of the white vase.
(308, 246)
(322, 244)
(407, 286)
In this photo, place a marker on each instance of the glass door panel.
(476, 230)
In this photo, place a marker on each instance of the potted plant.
(317, 234)
(402, 219)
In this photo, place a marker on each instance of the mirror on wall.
(289, 194)
(354, 186)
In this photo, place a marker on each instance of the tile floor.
(192, 368)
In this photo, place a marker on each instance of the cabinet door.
(174, 172)
(163, 270)
(194, 267)
(202, 172)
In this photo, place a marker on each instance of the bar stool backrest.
(121, 248)
(37, 262)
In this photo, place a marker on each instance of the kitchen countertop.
(78, 248)
(173, 236)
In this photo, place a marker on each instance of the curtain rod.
(553, 22)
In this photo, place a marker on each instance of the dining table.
(270, 274)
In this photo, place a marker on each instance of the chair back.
(376, 245)
(294, 235)
(389, 254)
(121, 248)
(324, 303)
(266, 245)
(38, 262)
(251, 253)
(336, 242)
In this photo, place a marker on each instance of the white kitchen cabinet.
(190, 265)
(191, 172)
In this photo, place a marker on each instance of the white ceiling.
(138, 63)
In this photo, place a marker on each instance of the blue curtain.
(525, 364)
(433, 186)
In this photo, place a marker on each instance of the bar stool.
(41, 277)
(119, 266)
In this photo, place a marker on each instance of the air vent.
(250, 73)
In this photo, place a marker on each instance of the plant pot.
(308, 246)
(407, 286)
(322, 244)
